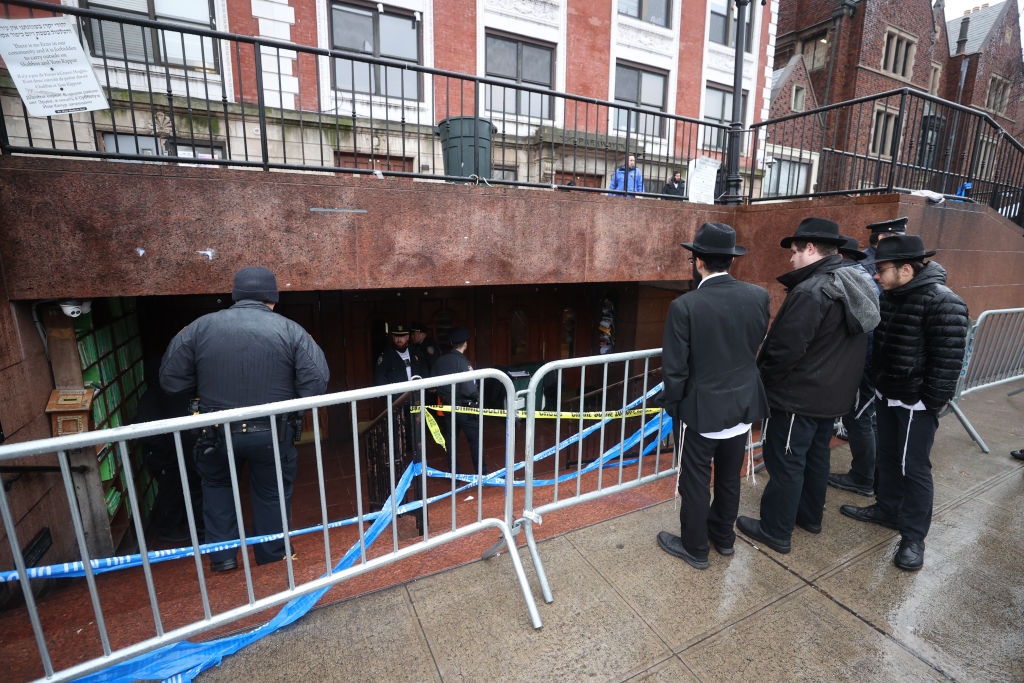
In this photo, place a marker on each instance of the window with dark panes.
(815, 51)
(518, 61)
(118, 42)
(722, 29)
(898, 54)
(651, 11)
(640, 88)
(718, 109)
(390, 34)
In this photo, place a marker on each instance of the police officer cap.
(255, 283)
(458, 335)
(893, 226)
(398, 328)
(418, 327)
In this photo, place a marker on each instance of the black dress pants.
(469, 425)
(796, 455)
(698, 520)
(905, 488)
(257, 449)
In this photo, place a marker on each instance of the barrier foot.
(531, 543)
(968, 426)
(498, 546)
(1015, 392)
(524, 585)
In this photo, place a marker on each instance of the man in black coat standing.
(466, 395)
(811, 363)
(918, 354)
(713, 391)
(400, 362)
(245, 355)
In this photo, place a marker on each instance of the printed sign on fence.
(49, 67)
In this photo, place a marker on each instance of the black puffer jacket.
(919, 345)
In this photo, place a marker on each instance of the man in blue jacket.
(631, 180)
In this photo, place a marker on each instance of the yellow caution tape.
(543, 414)
(435, 431)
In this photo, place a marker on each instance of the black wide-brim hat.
(851, 249)
(900, 248)
(715, 239)
(816, 230)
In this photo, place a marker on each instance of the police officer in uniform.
(423, 344)
(242, 356)
(466, 393)
(399, 363)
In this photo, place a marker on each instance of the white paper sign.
(49, 67)
(700, 178)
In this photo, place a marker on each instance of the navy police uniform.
(466, 394)
(242, 356)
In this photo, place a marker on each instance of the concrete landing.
(834, 608)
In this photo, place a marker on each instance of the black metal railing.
(902, 140)
(188, 94)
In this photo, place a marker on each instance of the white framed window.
(379, 31)
(641, 88)
(935, 79)
(722, 29)
(883, 132)
(518, 61)
(799, 102)
(718, 109)
(657, 12)
(985, 157)
(124, 42)
(998, 95)
(815, 51)
(898, 54)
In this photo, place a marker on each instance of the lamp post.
(733, 179)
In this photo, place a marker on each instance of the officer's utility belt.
(259, 424)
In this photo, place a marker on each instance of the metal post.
(733, 179)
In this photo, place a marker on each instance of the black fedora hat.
(900, 248)
(851, 249)
(715, 238)
(816, 230)
(893, 226)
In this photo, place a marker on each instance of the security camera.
(74, 307)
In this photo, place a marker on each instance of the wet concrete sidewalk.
(834, 608)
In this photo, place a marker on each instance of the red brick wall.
(588, 48)
(1001, 54)
(454, 50)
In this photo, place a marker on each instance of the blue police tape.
(184, 660)
(107, 564)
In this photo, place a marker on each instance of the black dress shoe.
(847, 483)
(751, 528)
(871, 513)
(722, 549)
(910, 555)
(224, 565)
(673, 545)
(1019, 454)
(809, 528)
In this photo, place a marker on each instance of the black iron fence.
(902, 140)
(188, 94)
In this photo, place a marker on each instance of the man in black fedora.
(811, 364)
(918, 354)
(713, 391)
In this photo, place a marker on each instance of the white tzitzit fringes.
(751, 477)
(906, 441)
(864, 407)
(790, 432)
(679, 465)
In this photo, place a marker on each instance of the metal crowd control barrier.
(994, 355)
(146, 639)
(645, 385)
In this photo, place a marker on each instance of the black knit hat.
(816, 230)
(458, 335)
(900, 248)
(256, 283)
(714, 239)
